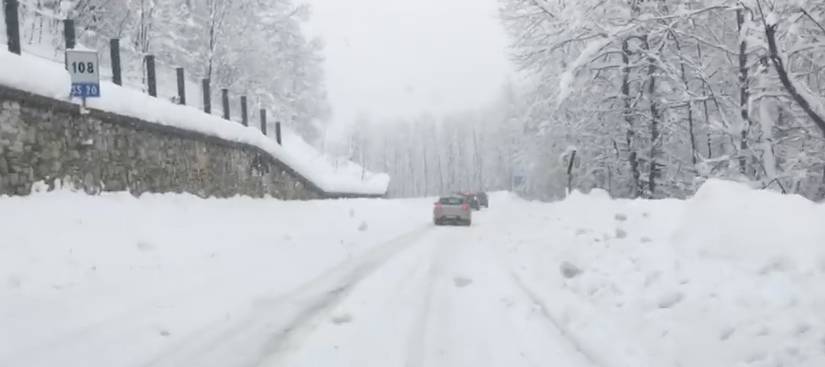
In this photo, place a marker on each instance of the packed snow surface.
(45, 77)
(732, 277)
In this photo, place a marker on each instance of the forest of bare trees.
(654, 97)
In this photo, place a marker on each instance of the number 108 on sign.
(83, 67)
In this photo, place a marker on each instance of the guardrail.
(150, 65)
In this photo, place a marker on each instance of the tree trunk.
(426, 171)
(478, 162)
(773, 51)
(438, 144)
(691, 132)
(705, 106)
(635, 190)
(570, 172)
(397, 167)
(655, 116)
(744, 93)
(411, 167)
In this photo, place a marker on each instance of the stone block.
(24, 190)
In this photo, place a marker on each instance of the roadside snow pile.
(765, 228)
(43, 77)
(731, 277)
(112, 280)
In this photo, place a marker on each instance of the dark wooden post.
(207, 96)
(181, 86)
(244, 115)
(278, 132)
(225, 101)
(151, 79)
(570, 172)
(114, 54)
(69, 33)
(12, 26)
(263, 121)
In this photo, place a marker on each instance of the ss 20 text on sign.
(84, 68)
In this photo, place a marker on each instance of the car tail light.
(466, 207)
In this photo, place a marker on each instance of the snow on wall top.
(50, 79)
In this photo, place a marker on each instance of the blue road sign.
(85, 90)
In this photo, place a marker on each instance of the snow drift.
(730, 277)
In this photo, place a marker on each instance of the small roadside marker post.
(84, 69)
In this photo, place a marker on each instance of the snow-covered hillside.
(732, 277)
(54, 82)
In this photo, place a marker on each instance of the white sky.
(397, 58)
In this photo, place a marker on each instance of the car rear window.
(451, 201)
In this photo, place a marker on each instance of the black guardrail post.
(12, 26)
(181, 86)
(207, 96)
(244, 114)
(225, 101)
(151, 77)
(69, 33)
(114, 55)
(263, 121)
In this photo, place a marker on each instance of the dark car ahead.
(472, 199)
(483, 200)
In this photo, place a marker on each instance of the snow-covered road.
(431, 297)
(179, 281)
(446, 300)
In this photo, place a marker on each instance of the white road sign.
(84, 68)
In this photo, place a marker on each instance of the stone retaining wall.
(43, 139)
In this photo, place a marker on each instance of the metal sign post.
(84, 68)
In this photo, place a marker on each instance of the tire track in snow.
(554, 322)
(417, 340)
(274, 323)
(297, 327)
(398, 304)
(111, 326)
(435, 321)
(533, 297)
(277, 348)
(472, 309)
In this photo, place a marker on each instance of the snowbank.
(764, 227)
(40, 76)
(113, 280)
(730, 277)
